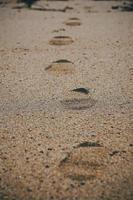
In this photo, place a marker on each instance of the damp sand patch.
(61, 40)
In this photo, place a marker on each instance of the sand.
(56, 143)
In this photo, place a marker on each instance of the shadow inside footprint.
(82, 90)
(74, 21)
(61, 40)
(88, 144)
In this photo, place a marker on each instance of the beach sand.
(56, 143)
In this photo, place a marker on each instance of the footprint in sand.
(78, 104)
(61, 40)
(84, 163)
(73, 22)
(61, 67)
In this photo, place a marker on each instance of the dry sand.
(56, 143)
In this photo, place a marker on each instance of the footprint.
(61, 40)
(78, 104)
(73, 22)
(90, 9)
(61, 67)
(84, 164)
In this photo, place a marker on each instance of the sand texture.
(66, 70)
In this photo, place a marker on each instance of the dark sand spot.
(61, 40)
(84, 164)
(61, 67)
(78, 104)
